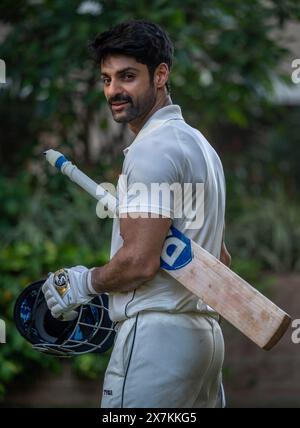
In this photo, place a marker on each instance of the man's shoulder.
(163, 138)
(171, 133)
(181, 130)
(173, 137)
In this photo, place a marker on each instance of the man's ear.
(161, 75)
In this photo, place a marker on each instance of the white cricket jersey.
(168, 150)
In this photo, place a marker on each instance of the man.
(169, 346)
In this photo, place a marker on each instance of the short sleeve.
(151, 178)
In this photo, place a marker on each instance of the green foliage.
(268, 231)
(225, 56)
(262, 195)
(91, 366)
(41, 230)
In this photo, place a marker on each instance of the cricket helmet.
(91, 331)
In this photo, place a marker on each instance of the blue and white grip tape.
(55, 158)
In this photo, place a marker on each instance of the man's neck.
(136, 126)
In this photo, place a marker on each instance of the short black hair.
(145, 41)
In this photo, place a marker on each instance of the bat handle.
(66, 167)
(55, 158)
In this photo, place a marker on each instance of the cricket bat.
(201, 273)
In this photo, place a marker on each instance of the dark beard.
(134, 110)
(131, 112)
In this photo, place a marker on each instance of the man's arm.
(225, 256)
(137, 260)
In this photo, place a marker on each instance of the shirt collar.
(162, 115)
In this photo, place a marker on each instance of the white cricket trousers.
(165, 360)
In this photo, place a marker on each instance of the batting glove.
(66, 289)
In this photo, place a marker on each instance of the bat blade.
(202, 274)
(233, 298)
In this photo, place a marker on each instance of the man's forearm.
(122, 273)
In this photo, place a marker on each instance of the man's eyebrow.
(124, 70)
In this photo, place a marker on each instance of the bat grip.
(67, 168)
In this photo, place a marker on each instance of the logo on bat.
(176, 252)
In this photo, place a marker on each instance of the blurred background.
(232, 76)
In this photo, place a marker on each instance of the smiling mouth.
(119, 106)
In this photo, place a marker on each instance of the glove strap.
(90, 289)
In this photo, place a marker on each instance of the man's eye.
(128, 76)
(105, 80)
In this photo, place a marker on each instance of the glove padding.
(65, 290)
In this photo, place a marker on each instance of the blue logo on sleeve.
(177, 251)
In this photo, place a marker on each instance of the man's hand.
(66, 289)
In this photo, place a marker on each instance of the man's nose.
(113, 89)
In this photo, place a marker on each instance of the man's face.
(127, 87)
